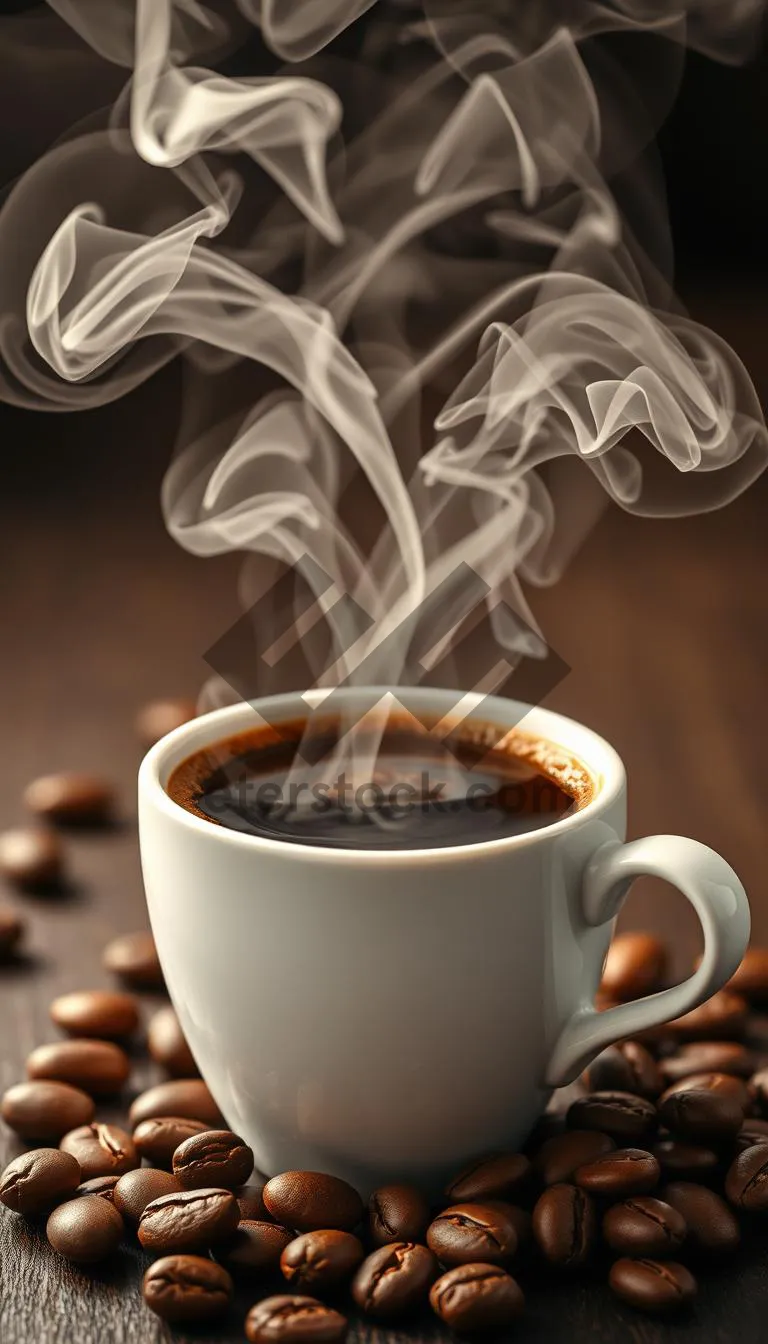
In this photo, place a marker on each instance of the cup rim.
(600, 758)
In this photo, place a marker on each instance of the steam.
(401, 287)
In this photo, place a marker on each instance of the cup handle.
(720, 902)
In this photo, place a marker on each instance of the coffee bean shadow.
(22, 965)
(65, 891)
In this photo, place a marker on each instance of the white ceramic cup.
(379, 1013)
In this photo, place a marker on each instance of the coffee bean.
(397, 1213)
(41, 1111)
(187, 1289)
(702, 1116)
(751, 977)
(751, 1132)
(621, 1115)
(85, 1230)
(294, 1320)
(12, 930)
(627, 1067)
(321, 1260)
(104, 1186)
(214, 1158)
(138, 1188)
(187, 1097)
(37, 1181)
(167, 1045)
(498, 1176)
(188, 1222)
(394, 1280)
(473, 1299)
(550, 1125)
(723, 1017)
(158, 1139)
(565, 1226)
(684, 1160)
(636, 964)
(96, 1012)
(746, 1182)
(159, 717)
(31, 856)
(467, 1233)
(101, 1150)
(760, 1090)
(644, 1226)
(712, 1228)
(255, 1248)
(652, 1285)
(559, 1157)
(729, 1057)
(628, 1171)
(310, 1200)
(133, 958)
(722, 1083)
(71, 798)
(98, 1067)
(250, 1197)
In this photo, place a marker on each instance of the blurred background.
(663, 623)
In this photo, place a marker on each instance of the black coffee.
(417, 794)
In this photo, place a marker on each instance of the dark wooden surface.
(663, 624)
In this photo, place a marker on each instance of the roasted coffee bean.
(702, 1116)
(159, 717)
(521, 1221)
(685, 1161)
(721, 1018)
(85, 1230)
(712, 1227)
(255, 1248)
(760, 1090)
(628, 1171)
(310, 1200)
(499, 1176)
(751, 1132)
(215, 1158)
(187, 1289)
(474, 1299)
(71, 798)
(188, 1222)
(98, 1067)
(644, 1226)
(467, 1233)
(250, 1197)
(167, 1045)
(550, 1125)
(394, 1280)
(722, 1083)
(621, 1115)
(158, 1139)
(41, 1111)
(138, 1188)
(627, 1067)
(397, 1213)
(559, 1157)
(652, 1285)
(96, 1012)
(133, 958)
(294, 1320)
(187, 1097)
(37, 1181)
(636, 964)
(729, 1057)
(746, 1182)
(101, 1150)
(317, 1261)
(31, 856)
(11, 932)
(751, 977)
(565, 1226)
(104, 1186)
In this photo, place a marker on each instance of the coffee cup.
(393, 1013)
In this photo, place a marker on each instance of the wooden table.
(663, 624)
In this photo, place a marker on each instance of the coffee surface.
(303, 785)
